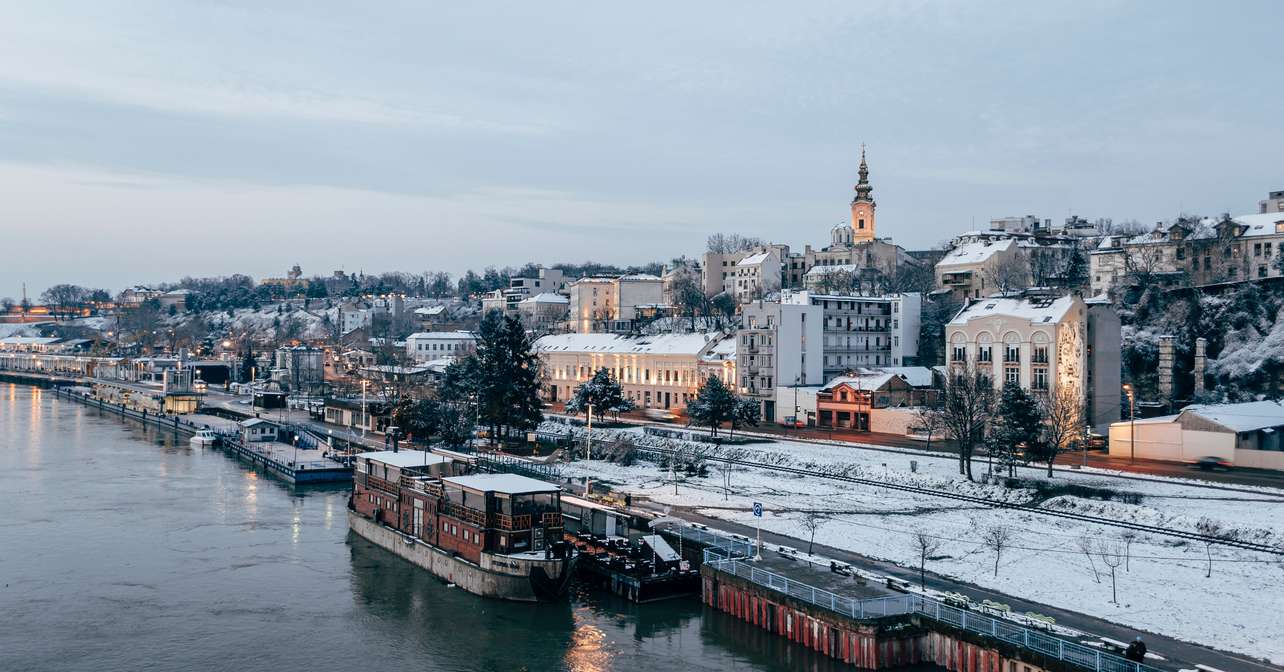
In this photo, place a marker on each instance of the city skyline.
(249, 140)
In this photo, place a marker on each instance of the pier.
(873, 622)
(304, 465)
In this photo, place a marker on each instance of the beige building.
(544, 312)
(654, 371)
(968, 270)
(612, 304)
(1042, 343)
(1243, 435)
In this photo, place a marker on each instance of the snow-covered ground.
(1162, 589)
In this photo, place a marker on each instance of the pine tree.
(507, 376)
(248, 363)
(714, 404)
(603, 393)
(745, 413)
(1018, 423)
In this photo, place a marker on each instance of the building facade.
(864, 331)
(605, 304)
(779, 344)
(653, 371)
(426, 346)
(1043, 343)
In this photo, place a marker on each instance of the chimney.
(1166, 369)
(1201, 360)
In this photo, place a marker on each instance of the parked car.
(660, 414)
(1211, 463)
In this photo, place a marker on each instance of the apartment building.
(427, 346)
(864, 331)
(1043, 343)
(779, 345)
(612, 304)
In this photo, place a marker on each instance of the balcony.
(376, 483)
(461, 512)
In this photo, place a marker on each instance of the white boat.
(204, 437)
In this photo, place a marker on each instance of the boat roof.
(510, 484)
(405, 458)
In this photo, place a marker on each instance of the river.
(126, 550)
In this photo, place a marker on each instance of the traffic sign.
(757, 509)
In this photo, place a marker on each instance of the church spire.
(863, 189)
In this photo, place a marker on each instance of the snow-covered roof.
(1261, 224)
(975, 252)
(862, 381)
(405, 458)
(430, 310)
(546, 297)
(1245, 417)
(753, 259)
(453, 335)
(511, 484)
(1036, 310)
(640, 276)
(664, 344)
(252, 422)
(28, 340)
(816, 271)
(917, 376)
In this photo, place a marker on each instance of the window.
(1012, 374)
(984, 353)
(959, 354)
(1261, 271)
(1040, 354)
(1257, 249)
(1012, 352)
(1040, 378)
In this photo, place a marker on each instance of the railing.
(552, 519)
(521, 521)
(465, 514)
(382, 484)
(728, 555)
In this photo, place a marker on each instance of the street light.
(365, 420)
(1132, 422)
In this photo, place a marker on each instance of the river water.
(125, 549)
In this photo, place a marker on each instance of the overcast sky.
(141, 142)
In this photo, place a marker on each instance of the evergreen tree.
(603, 393)
(745, 413)
(248, 364)
(507, 376)
(1018, 424)
(714, 404)
(418, 417)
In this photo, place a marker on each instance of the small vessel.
(494, 535)
(204, 437)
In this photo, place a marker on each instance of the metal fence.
(728, 555)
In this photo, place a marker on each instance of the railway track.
(1068, 515)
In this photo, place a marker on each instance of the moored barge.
(495, 535)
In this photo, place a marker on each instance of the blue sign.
(757, 509)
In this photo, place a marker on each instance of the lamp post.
(365, 420)
(1132, 422)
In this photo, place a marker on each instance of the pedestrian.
(1136, 651)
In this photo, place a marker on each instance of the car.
(791, 421)
(660, 414)
(1211, 463)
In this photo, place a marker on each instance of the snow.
(1164, 590)
(663, 344)
(546, 297)
(1022, 308)
(1244, 417)
(817, 271)
(865, 381)
(753, 259)
(976, 252)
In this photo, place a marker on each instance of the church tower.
(863, 205)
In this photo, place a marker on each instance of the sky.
(141, 142)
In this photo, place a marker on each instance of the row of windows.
(1012, 374)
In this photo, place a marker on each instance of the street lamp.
(365, 420)
(1132, 422)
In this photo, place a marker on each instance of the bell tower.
(863, 205)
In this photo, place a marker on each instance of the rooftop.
(405, 458)
(510, 484)
(975, 252)
(443, 334)
(1245, 417)
(664, 344)
(1032, 309)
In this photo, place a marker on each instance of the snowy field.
(1161, 582)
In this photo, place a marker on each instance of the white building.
(426, 346)
(1245, 435)
(968, 269)
(756, 275)
(544, 311)
(864, 331)
(654, 371)
(612, 304)
(779, 344)
(1042, 343)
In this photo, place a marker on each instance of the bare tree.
(1009, 274)
(996, 538)
(931, 420)
(726, 464)
(1087, 545)
(1063, 422)
(967, 408)
(1212, 532)
(813, 521)
(1112, 555)
(1128, 536)
(730, 243)
(926, 546)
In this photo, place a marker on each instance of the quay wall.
(872, 644)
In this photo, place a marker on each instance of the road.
(1178, 654)
(1068, 461)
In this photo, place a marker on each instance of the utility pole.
(1132, 422)
(365, 419)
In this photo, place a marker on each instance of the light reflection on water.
(124, 549)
